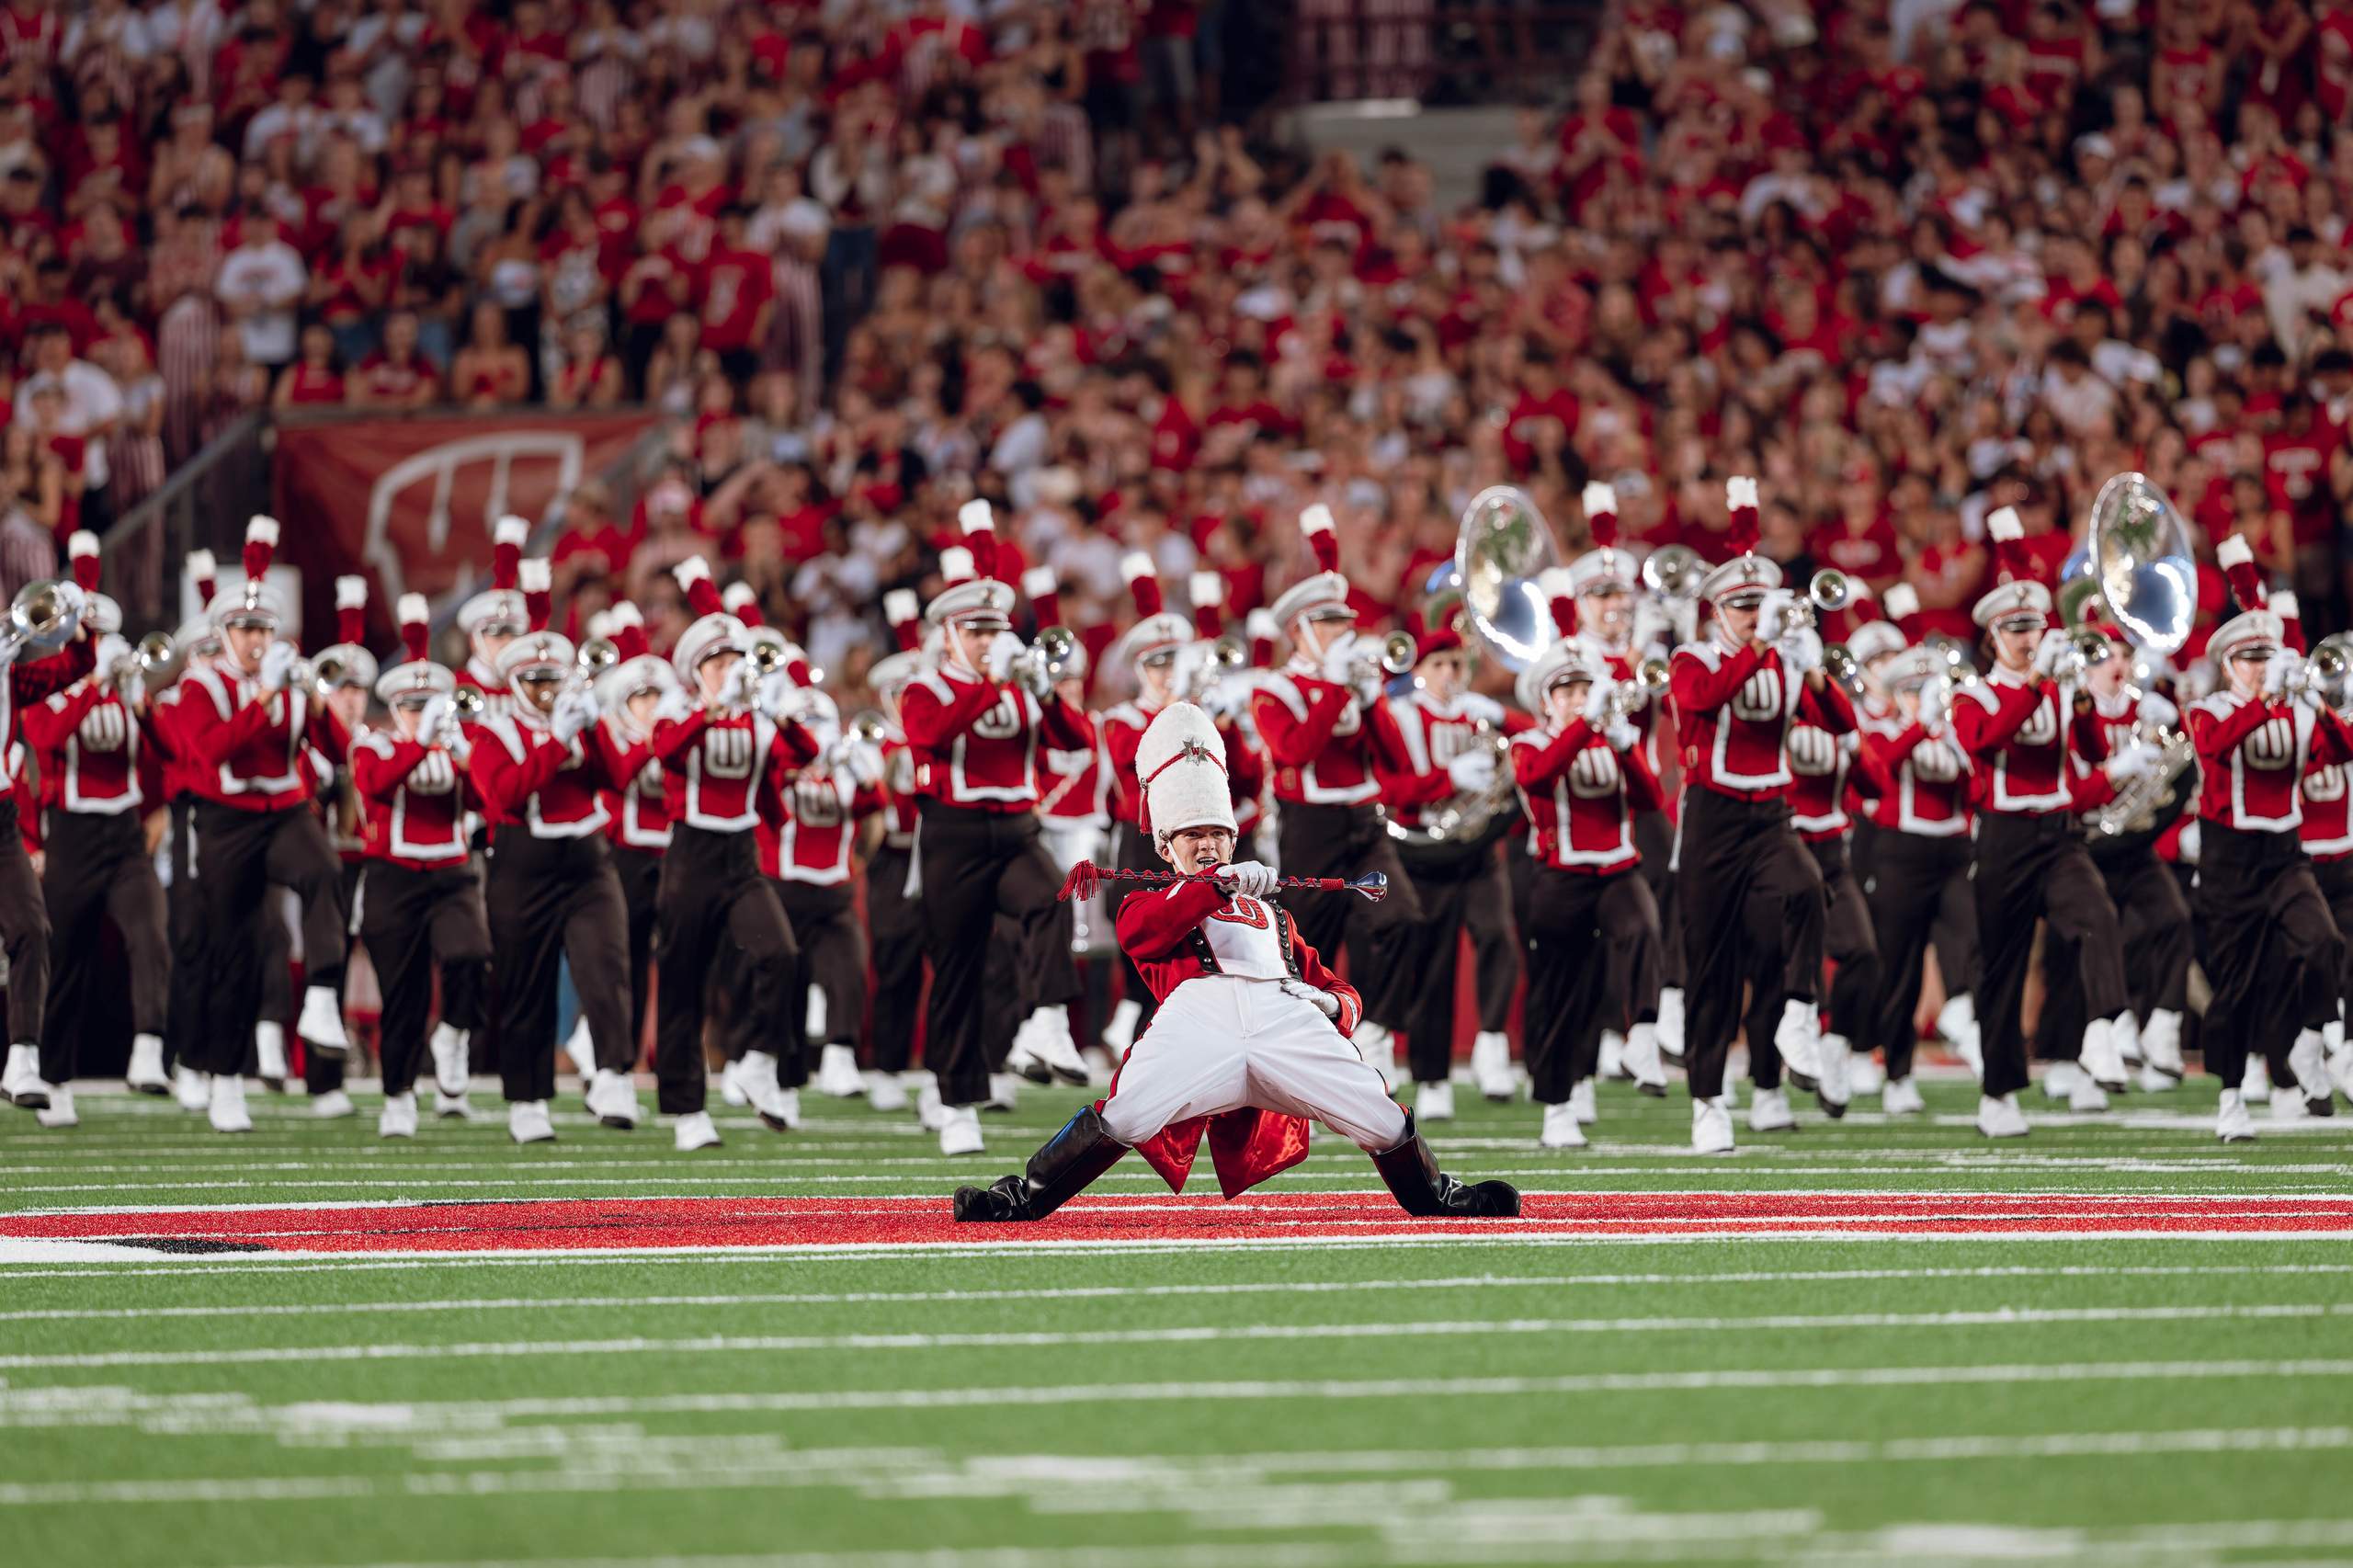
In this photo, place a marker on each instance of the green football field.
(2117, 1342)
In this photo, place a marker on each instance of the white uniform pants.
(1219, 1044)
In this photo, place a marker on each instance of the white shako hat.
(2021, 595)
(713, 632)
(1567, 659)
(1873, 639)
(1747, 575)
(417, 674)
(502, 603)
(1157, 630)
(974, 596)
(1605, 566)
(1912, 667)
(2257, 626)
(1325, 593)
(1181, 764)
(253, 599)
(536, 650)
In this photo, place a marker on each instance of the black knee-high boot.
(1425, 1192)
(1058, 1171)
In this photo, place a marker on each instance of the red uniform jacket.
(813, 841)
(1733, 709)
(1078, 788)
(1327, 749)
(899, 792)
(244, 747)
(639, 809)
(412, 801)
(2254, 754)
(1928, 780)
(717, 769)
(527, 779)
(1436, 734)
(2327, 832)
(88, 744)
(1580, 797)
(2019, 742)
(975, 742)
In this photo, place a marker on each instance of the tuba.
(2147, 583)
(1500, 548)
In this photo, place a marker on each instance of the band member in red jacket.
(975, 721)
(1330, 734)
(248, 730)
(2270, 950)
(495, 617)
(196, 641)
(637, 830)
(893, 921)
(420, 899)
(1827, 767)
(1252, 1036)
(1592, 936)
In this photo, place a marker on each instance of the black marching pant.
(1851, 944)
(977, 866)
(1655, 841)
(2034, 869)
(832, 961)
(1960, 962)
(184, 927)
(718, 909)
(1461, 888)
(550, 900)
(411, 922)
(238, 856)
(1753, 915)
(640, 871)
(1910, 879)
(1132, 850)
(96, 870)
(323, 1073)
(2152, 921)
(2335, 880)
(1593, 952)
(1347, 841)
(894, 922)
(2272, 953)
(24, 932)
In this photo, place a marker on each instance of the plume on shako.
(1746, 576)
(2258, 626)
(2015, 594)
(1181, 764)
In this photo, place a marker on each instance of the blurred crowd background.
(1905, 262)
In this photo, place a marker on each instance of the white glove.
(863, 763)
(1004, 648)
(134, 690)
(2157, 708)
(277, 666)
(2281, 672)
(435, 718)
(1472, 772)
(2137, 760)
(776, 687)
(736, 689)
(114, 652)
(1337, 658)
(574, 712)
(1775, 615)
(2049, 653)
(1321, 1000)
(1481, 710)
(1250, 879)
(1800, 649)
(2186, 847)
(673, 705)
(1597, 699)
(1936, 705)
(1622, 735)
(1653, 630)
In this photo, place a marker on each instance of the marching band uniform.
(1250, 1041)
(196, 640)
(2328, 836)
(1073, 810)
(893, 921)
(637, 831)
(1825, 767)
(492, 619)
(1329, 733)
(420, 899)
(975, 735)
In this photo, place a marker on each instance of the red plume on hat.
(416, 627)
(201, 572)
(1208, 592)
(2011, 562)
(1901, 606)
(1260, 625)
(1144, 583)
(1203, 528)
(351, 609)
(82, 548)
(261, 546)
(743, 601)
(1561, 596)
(980, 535)
(693, 575)
(2291, 620)
(507, 541)
(905, 613)
(1740, 500)
(2237, 560)
(1315, 522)
(625, 628)
(1601, 514)
(536, 578)
(1044, 594)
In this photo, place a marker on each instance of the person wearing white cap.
(2268, 945)
(2032, 865)
(639, 833)
(1252, 1036)
(893, 923)
(1330, 734)
(495, 617)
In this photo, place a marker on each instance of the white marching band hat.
(1605, 566)
(2021, 597)
(714, 630)
(1323, 594)
(2258, 628)
(418, 673)
(1567, 659)
(253, 599)
(1874, 639)
(1748, 576)
(501, 605)
(974, 596)
(536, 650)
(350, 647)
(1181, 764)
(1156, 630)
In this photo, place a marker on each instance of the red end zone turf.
(605, 1224)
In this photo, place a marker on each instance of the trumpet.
(1050, 659)
(1673, 573)
(326, 672)
(1629, 697)
(468, 703)
(597, 655)
(1829, 591)
(2085, 648)
(865, 728)
(2326, 672)
(1398, 654)
(153, 662)
(1228, 653)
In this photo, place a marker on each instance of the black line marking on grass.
(175, 1243)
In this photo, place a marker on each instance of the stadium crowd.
(1907, 263)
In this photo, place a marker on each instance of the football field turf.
(2117, 1342)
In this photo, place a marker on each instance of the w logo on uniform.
(2273, 745)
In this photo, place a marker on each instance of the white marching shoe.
(778, 1107)
(1797, 1037)
(1957, 1024)
(612, 1101)
(1005, 1092)
(398, 1119)
(2100, 1057)
(960, 1130)
(1901, 1097)
(449, 1046)
(321, 1024)
(1769, 1111)
(269, 1056)
(2125, 1028)
(146, 1075)
(837, 1074)
(227, 1110)
(2058, 1081)
(192, 1089)
(731, 1086)
(1432, 1102)
(58, 1112)
(452, 1107)
(2161, 1045)
(2340, 1069)
(1612, 1064)
(1670, 1024)
(1710, 1128)
(1377, 1045)
(885, 1091)
(332, 1105)
(527, 1123)
(694, 1131)
(1043, 1051)
(1119, 1034)
(2085, 1096)
(2288, 1105)
(1999, 1116)
(931, 1111)
(2232, 1123)
(2255, 1084)
(1581, 1102)
(1833, 1091)
(2308, 1059)
(1561, 1129)
(1491, 1067)
(20, 1081)
(1864, 1074)
(1644, 1061)
(580, 1046)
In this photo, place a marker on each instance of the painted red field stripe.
(696, 1223)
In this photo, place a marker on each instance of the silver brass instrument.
(1464, 818)
(1049, 659)
(326, 674)
(2085, 647)
(1627, 698)
(155, 662)
(1673, 572)
(1227, 654)
(597, 655)
(2148, 585)
(1501, 546)
(1830, 592)
(1397, 654)
(2326, 672)
(468, 703)
(42, 617)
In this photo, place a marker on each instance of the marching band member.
(246, 730)
(2270, 951)
(638, 834)
(1251, 1035)
(975, 720)
(197, 640)
(495, 617)
(1752, 897)
(893, 922)
(1593, 934)
(1074, 812)
(2031, 862)
(420, 899)
(726, 748)
(1329, 732)
(2327, 836)
(1452, 735)
(95, 866)
(540, 769)
(344, 672)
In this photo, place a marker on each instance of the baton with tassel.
(1086, 877)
